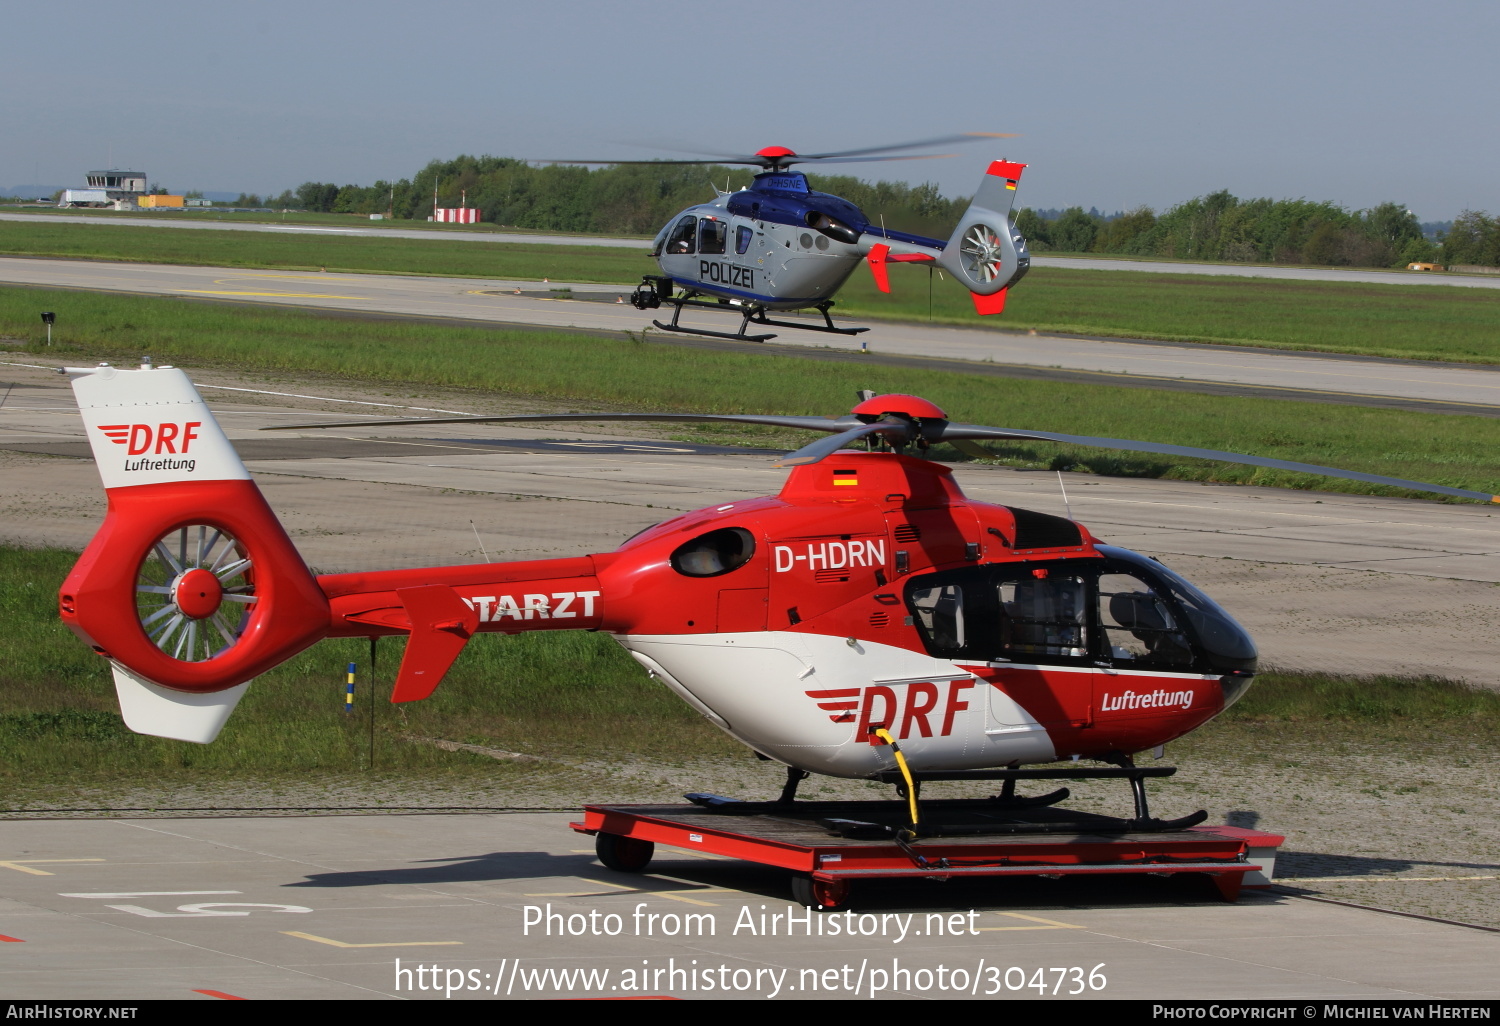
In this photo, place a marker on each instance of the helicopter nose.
(1234, 684)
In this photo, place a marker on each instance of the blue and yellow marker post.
(349, 689)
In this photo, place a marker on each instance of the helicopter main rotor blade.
(815, 451)
(759, 161)
(810, 423)
(941, 140)
(955, 432)
(864, 160)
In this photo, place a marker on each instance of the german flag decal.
(846, 477)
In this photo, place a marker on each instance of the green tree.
(1074, 231)
(1033, 229)
(1474, 238)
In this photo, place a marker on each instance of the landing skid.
(654, 291)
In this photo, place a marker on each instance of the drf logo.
(139, 438)
(924, 708)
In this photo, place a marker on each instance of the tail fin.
(191, 588)
(985, 252)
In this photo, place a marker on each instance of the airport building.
(115, 187)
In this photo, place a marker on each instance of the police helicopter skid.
(868, 621)
(778, 245)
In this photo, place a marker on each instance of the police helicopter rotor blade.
(823, 447)
(866, 160)
(942, 140)
(809, 423)
(758, 161)
(954, 432)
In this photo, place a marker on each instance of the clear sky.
(1118, 104)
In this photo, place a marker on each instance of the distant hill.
(33, 191)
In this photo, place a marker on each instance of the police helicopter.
(867, 621)
(778, 245)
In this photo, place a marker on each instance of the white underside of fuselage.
(807, 700)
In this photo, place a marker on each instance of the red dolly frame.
(823, 872)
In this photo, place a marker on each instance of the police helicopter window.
(1138, 626)
(742, 237)
(940, 611)
(712, 234)
(681, 239)
(1044, 614)
(714, 553)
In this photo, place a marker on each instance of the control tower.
(117, 184)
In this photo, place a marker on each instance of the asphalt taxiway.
(1452, 388)
(1375, 276)
(514, 906)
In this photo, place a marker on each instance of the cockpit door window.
(712, 234)
(681, 240)
(1138, 626)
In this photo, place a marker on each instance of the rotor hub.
(197, 593)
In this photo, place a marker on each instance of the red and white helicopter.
(866, 614)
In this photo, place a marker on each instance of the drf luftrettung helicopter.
(868, 621)
(778, 245)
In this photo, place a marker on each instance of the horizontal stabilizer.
(161, 712)
(441, 625)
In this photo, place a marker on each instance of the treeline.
(1221, 226)
(1473, 238)
(638, 199)
(634, 199)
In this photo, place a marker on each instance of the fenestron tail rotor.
(195, 592)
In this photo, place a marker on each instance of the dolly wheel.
(823, 895)
(623, 854)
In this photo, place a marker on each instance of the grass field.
(558, 694)
(1451, 450)
(1415, 322)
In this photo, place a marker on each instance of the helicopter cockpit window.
(742, 236)
(1137, 624)
(681, 239)
(712, 234)
(714, 553)
(1044, 615)
(1224, 643)
(940, 611)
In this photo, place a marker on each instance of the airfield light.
(47, 318)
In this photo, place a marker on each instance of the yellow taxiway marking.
(305, 276)
(585, 894)
(278, 295)
(23, 865)
(665, 848)
(392, 944)
(681, 897)
(1046, 924)
(1381, 879)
